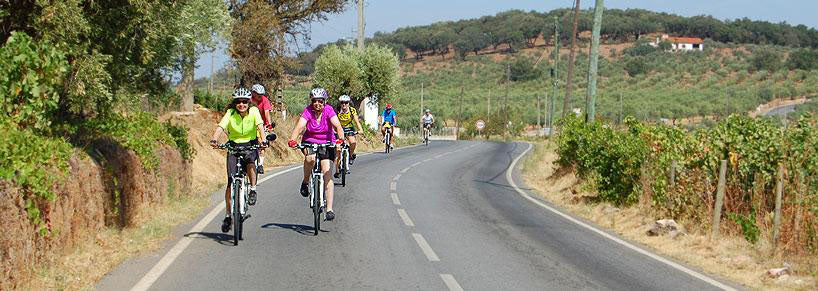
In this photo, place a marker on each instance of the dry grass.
(82, 268)
(729, 257)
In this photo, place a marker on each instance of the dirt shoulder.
(729, 257)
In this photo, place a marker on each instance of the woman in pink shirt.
(317, 122)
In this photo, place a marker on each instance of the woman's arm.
(299, 127)
(216, 133)
(338, 129)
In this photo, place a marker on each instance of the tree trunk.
(185, 88)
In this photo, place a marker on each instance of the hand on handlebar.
(292, 143)
(339, 141)
(214, 144)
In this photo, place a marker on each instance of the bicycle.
(344, 163)
(426, 133)
(316, 197)
(241, 185)
(387, 138)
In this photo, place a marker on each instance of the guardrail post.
(719, 199)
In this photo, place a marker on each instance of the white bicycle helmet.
(427, 111)
(344, 98)
(258, 88)
(319, 93)
(241, 93)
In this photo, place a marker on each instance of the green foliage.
(639, 50)
(765, 60)
(34, 163)
(803, 59)
(613, 157)
(748, 226)
(29, 71)
(345, 70)
(213, 102)
(636, 66)
(141, 133)
(522, 69)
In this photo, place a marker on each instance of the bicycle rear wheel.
(316, 203)
(388, 142)
(344, 167)
(236, 212)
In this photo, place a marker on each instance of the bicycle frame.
(317, 201)
(241, 184)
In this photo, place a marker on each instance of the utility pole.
(538, 111)
(421, 105)
(459, 115)
(569, 82)
(361, 24)
(488, 107)
(210, 85)
(554, 75)
(590, 109)
(508, 82)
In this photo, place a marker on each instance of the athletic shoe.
(337, 175)
(330, 215)
(251, 198)
(226, 224)
(305, 190)
(352, 158)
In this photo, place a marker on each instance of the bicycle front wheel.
(316, 209)
(388, 142)
(236, 211)
(344, 167)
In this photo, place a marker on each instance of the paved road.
(422, 218)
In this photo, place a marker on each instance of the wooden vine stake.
(719, 199)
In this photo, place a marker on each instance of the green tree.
(804, 59)
(765, 59)
(201, 23)
(345, 70)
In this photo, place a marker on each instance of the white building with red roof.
(681, 43)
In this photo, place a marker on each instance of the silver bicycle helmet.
(344, 98)
(319, 93)
(258, 88)
(241, 93)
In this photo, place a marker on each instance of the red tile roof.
(685, 40)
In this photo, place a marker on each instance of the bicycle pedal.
(245, 217)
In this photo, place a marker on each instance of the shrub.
(636, 66)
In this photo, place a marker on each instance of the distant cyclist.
(243, 125)
(390, 120)
(265, 108)
(348, 117)
(428, 120)
(317, 123)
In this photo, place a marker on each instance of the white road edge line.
(605, 234)
(393, 186)
(395, 199)
(396, 177)
(426, 160)
(415, 164)
(440, 155)
(405, 217)
(425, 247)
(405, 170)
(154, 273)
(451, 282)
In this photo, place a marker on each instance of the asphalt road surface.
(437, 217)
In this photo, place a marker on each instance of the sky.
(388, 15)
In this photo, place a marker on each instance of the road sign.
(480, 125)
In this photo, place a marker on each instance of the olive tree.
(372, 72)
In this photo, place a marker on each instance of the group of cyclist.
(247, 121)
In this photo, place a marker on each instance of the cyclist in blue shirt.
(390, 119)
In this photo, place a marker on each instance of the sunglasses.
(318, 101)
(243, 102)
(344, 103)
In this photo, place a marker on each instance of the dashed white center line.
(451, 282)
(405, 217)
(393, 186)
(440, 155)
(396, 177)
(415, 164)
(395, 199)
(405, 170)
(426, 248)
(426, 160)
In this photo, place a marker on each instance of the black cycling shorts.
(349, 131)
(249, 158)
(324, 153)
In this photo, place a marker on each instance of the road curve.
(431, 218)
